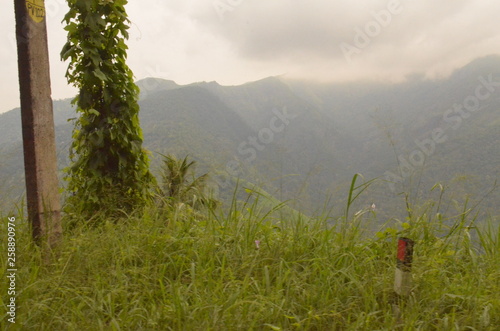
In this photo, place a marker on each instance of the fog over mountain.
(236, 41)
(303, 141)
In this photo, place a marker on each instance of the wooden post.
(402, 282)
(40, 161)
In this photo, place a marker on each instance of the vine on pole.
(110, 169)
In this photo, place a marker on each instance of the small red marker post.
(402, 282)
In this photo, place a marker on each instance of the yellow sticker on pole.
(36, 10)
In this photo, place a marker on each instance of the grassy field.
(176, 269)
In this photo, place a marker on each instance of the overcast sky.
(236, 41)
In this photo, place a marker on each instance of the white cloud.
(188, 41)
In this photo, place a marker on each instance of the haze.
(236, 41)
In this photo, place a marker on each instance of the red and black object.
(405, 253)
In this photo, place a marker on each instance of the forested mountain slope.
(304, 141)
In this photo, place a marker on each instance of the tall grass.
(177, 269)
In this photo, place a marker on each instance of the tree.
(180, 184)
(110, 169)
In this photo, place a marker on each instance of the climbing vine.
(109, 168)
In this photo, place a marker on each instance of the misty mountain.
(304, 141)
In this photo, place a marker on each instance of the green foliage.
(110, 169)
(341, 131)
(180, 184)
(355, 192)
(170, 270)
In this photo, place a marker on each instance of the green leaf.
(94, 112)
(99, 74)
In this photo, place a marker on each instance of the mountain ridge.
(304, 141)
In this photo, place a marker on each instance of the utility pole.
(40, 161)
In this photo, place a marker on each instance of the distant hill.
(304, 141)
